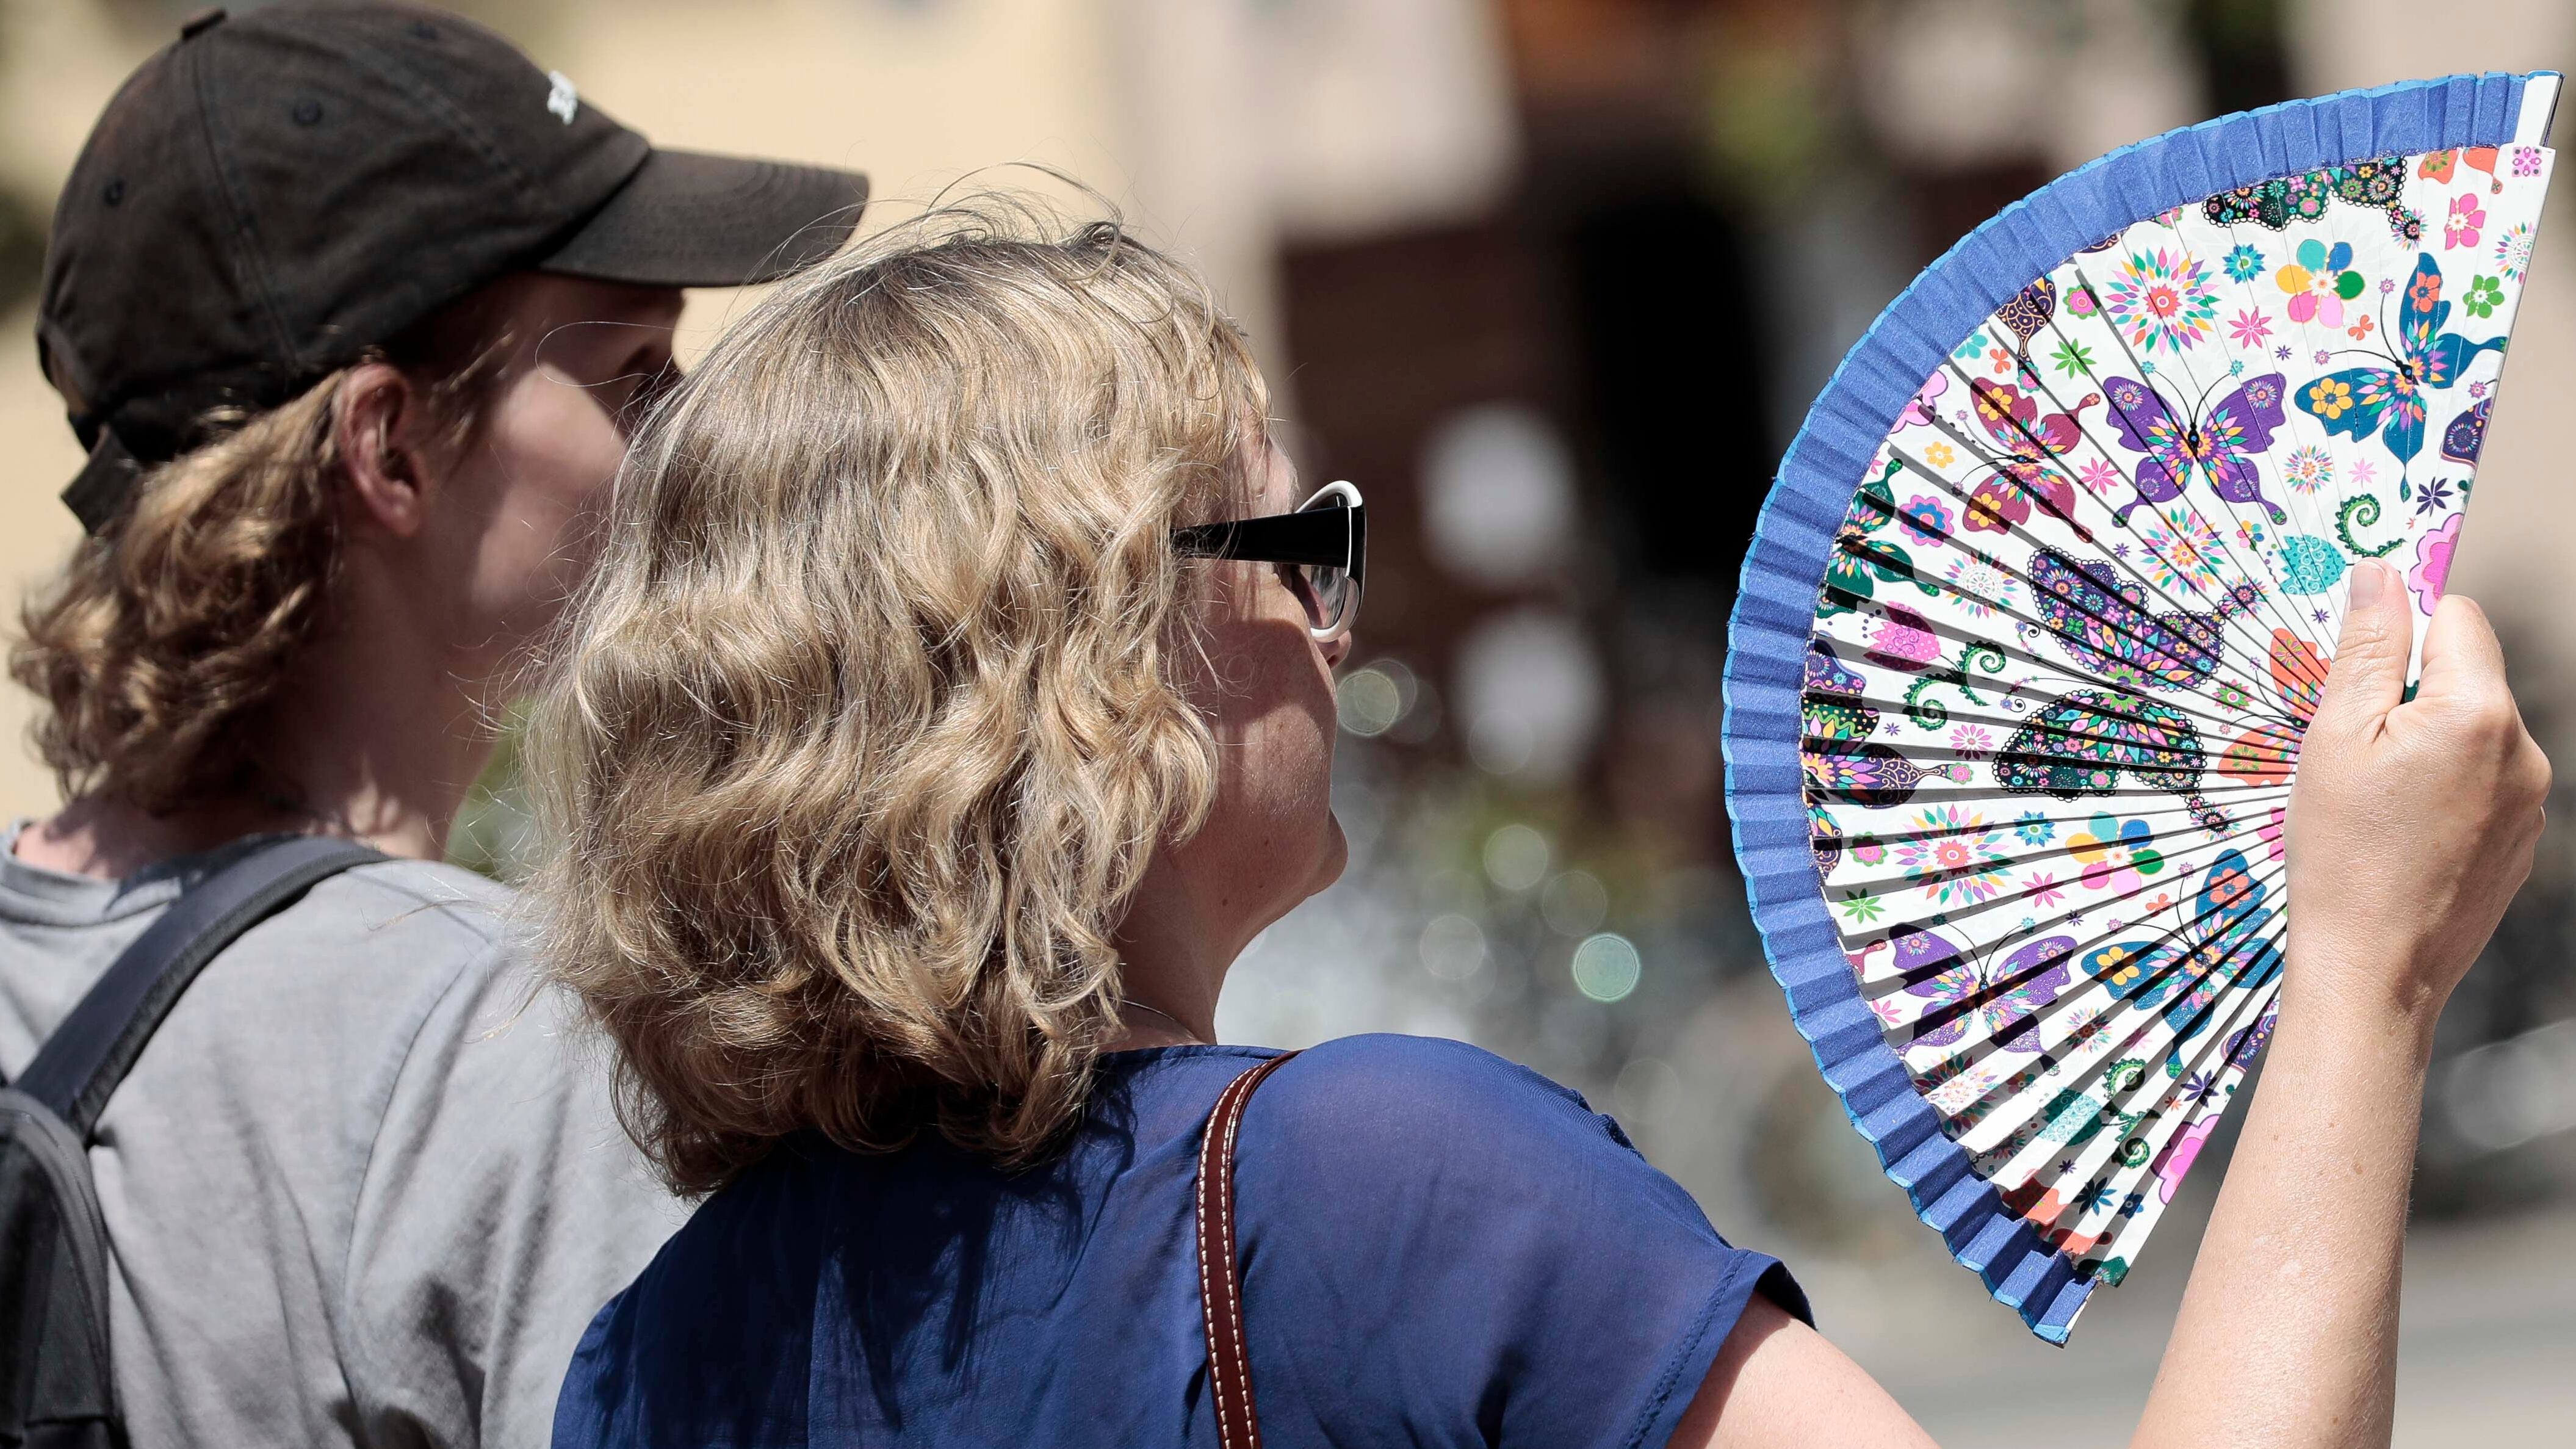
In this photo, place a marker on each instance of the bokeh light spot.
(1453, 947)
(1574, 903)
(1516, 857)
(1369, 701)
(1606, 967)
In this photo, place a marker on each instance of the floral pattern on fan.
(2107, 549)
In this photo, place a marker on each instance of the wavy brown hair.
(859, 738)
(159, 643)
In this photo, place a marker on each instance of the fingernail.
(2369, 580)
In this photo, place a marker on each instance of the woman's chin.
(1336, 855)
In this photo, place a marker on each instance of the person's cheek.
(556, 454)
(572, 443)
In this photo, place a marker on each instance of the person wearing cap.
(352, 306)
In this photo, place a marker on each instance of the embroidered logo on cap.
(563, 100)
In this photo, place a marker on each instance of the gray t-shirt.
(362, 1188)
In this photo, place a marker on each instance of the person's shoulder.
(750, 1252)
(371, 950)
(416, 899)
(1419, 1066)
(1399, 1099)
(434, 928)
(466, 933)
(433, 954)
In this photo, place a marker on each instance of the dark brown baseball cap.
(277, 192)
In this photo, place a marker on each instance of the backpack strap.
(1238, 1425)
(81, 1064)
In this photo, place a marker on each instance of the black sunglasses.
(1322, 551)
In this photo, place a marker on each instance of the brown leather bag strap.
(1238, 1425)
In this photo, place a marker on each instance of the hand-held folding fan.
(2038, 611)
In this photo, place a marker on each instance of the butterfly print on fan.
(2467, 432)
(2219, 945)
(1862, 557)
(2267, 753)
(1962, 985)
(2098, 614)
(2220, 444)
(2031, 443)
(2390, 400)
(2082, 743)
(1924, 409)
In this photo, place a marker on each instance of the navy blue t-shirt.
(1439, 1248)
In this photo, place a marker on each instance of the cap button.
(204, 20)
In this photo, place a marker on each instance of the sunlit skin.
(1271, 841)
(453, 564)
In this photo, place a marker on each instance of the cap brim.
(690, 219)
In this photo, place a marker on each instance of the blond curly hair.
(857, 742)
(157, 646)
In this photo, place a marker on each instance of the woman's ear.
(374, 421)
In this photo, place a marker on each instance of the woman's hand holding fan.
(2417, 818)
(2411, 826)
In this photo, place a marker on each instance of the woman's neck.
(1145, 1026)
(1174, 948)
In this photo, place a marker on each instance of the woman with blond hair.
(955, 701)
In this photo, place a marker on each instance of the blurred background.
(1553, 281)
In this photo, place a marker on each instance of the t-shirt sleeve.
(501, 1207)
(1438, 1239)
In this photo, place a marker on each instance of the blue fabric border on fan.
(1785, 565)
